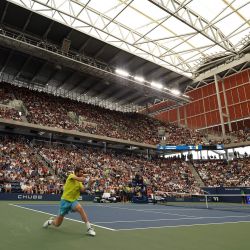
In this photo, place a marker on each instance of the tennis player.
(69, 203)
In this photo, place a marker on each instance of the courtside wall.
(203, 111)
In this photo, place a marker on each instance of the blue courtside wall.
(84, 197)
(38, 197)
(227, 190)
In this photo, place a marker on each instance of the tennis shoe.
(48, 222)
(91, 231)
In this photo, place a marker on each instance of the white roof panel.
(207, 9)
(176, 34)
(149, 10)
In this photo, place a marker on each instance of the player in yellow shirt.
(69, 201)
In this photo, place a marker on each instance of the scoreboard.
(190, 147)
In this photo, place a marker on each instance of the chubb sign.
(38, 197)
(29, 197)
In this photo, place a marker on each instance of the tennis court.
(126, 226)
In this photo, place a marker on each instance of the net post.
(206, 201)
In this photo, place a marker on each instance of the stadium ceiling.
(163, 41)
(175, 34)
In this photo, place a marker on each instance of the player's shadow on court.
(66, 233)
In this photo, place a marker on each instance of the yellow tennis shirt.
(71, 189)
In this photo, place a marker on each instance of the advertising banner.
(38, 197)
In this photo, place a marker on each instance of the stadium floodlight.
(139, 78)
(156, 85)
(167, 89)
(186, 96)
(175, 92)
(189, 74)
(122, 72)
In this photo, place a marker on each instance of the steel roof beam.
(4, 12)
(48, 30)
(148, 54)
(7, 61)
(66, 79)
(23, 66)
(38, 72)
(53, 53)
(196, 22)
(104, 93)
(221, 68)
(27, 22)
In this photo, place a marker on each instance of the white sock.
(50, 222)
(88, 225)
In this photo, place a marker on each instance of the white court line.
(176, 226)
(38, 211)
(129, 229)
(147, 211)
(196, 218)
(174, 209)
(37, 204)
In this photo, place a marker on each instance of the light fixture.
(156, 85)
(175, 91)
(189, 75)
(139, 78)
(122, 72)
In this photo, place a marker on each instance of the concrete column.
(226, 151)
(226, 105)
(50, 138)
(185, 116)
(205, 117)
(219, 105)
(178, 117)
(149, 156)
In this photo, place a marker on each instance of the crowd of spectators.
(43, 169)
(5, 94)
(115, 171)
(9, 113)
(236, 136)
(49, 110)
(241, 135)
(21, 167)
(220, 173)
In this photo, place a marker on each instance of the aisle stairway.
(196, 175)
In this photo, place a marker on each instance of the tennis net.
(208, 201)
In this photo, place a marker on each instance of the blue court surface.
(118, 217)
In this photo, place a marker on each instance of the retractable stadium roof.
(171, 43)
(177, 34)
